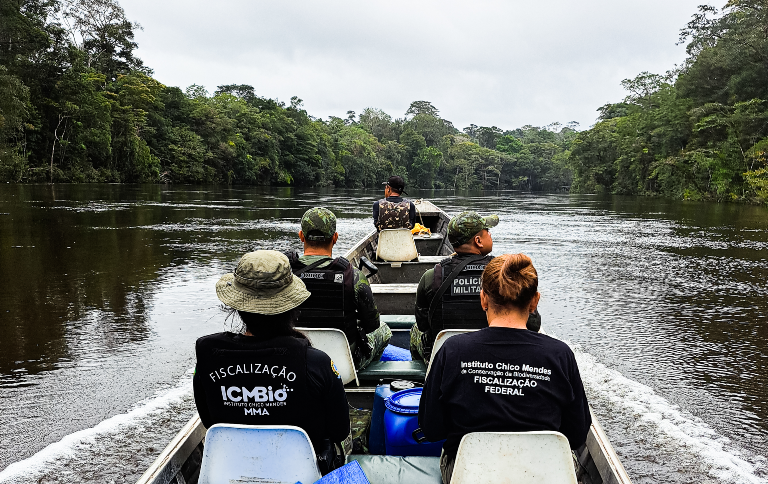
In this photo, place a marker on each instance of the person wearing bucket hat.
(269, 374)
(341, 295)
(541, 388)
(393, 211)
(448, 296)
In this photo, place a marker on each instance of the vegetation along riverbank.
(76, 105)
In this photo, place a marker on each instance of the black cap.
(397, 183)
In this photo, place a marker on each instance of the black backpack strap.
(309, 267)
(447, 282)
(437, 280)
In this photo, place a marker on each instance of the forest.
(77, 105)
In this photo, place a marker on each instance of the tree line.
(77, 105)
(699, 131)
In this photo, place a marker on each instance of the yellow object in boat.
(419, 229)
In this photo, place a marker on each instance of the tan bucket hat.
(262, 283)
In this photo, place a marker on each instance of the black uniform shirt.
(503, 380)
(323, 412)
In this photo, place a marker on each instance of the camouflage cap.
(465, 225)
(318, 219)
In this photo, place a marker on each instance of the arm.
(332, 401)
(431, 415)
(423, 300)
(412, 215)
(376, 213)
(576, 418)
(200, 401)
(367, 312)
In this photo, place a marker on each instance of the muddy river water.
(104, 289)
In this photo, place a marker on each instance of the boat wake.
(118, 449)
(659, 438)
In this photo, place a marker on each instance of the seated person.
(269, 375)
(341, 295)
(547, 392)
(448, 296)
(393, 211)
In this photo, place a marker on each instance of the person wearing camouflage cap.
(448, 296)
(267, 374)
(341, 295)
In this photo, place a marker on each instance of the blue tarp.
(395, 353)
(351, 473)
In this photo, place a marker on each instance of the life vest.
(332, 300)
(459, 306)
(259, 383)
(394, 215)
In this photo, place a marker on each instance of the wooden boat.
(394, 288)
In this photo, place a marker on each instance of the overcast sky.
(504, 63)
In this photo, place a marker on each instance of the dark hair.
(265, 326)
(510, 280)
(317, 244)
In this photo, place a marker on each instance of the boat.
(394, 287)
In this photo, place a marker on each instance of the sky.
(491, 63)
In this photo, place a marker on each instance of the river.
(104, 289)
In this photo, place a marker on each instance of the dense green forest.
(76, 105)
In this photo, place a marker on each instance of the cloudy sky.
(506, 63)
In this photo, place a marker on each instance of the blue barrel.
(376, 438)
(400, 420)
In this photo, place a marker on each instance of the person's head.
(318, 231)
(510, 283)
(469, 233)
(394, 187)
(264, 292)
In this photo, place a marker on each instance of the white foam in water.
(30, 469)
(675, 433)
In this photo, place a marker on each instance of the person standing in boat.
(269, 374)
(341, 295)
(448, 296)
(393, 211)
(503, 378)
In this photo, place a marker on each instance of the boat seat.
(442, 336)
(396, 245)
(257, 453)
(407, 370)
(395, 298)
(531, 457)
(389, 469)
(334, 343)
(398, 321)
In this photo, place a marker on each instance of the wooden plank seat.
(406, 272)
(394, 298)
(389, 469)
(405, 370)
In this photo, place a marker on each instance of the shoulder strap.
(447, 282)
(437, 279)
(309, 267)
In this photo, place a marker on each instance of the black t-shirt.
(244, 380)
(503, 380)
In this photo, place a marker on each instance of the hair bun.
(510, 280)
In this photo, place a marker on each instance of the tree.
(422, 107)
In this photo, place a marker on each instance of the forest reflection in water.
(106, 287)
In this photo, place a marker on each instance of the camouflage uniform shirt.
(367, 313)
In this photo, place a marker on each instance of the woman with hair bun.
(503, 378)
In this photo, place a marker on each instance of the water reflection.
(108, 286)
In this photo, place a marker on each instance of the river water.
(104, 289)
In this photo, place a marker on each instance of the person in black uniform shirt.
(269, 375)
(503, 378)
(341, 295)
(394, 211)
(448, 296)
